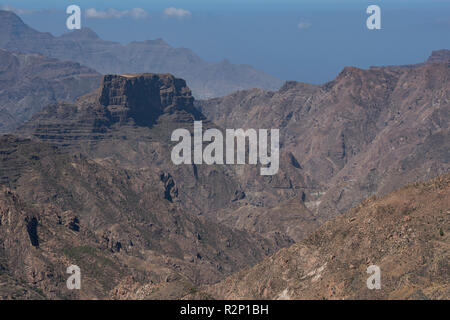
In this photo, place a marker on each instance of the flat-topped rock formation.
(122, 101)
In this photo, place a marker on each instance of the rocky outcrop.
(170, 188)
(145, 97)
(123, 100)
(366, 132)
(439, 56)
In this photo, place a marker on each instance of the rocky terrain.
(84, 46)
(58, 209)
(119, 204)
(366, 132)
(129, 121)
(87, 179)
(29, 82)
(405, 233)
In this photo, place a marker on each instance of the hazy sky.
(300, 40)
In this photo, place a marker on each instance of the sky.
(303, 40)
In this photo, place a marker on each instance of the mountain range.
(405, 234)
(29, 82)
(85, 47)
(86, 178)
(80, 191)
(366, 132)
(117, 138)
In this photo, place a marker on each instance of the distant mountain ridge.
(156, 56)
(30, 82)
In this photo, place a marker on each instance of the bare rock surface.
(366, 132)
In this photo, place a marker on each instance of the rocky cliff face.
(145, 97)
(439, 56)
(122, 101)
(120, 203)
(29, 82)
(84, 46)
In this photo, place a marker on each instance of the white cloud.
(303, 25)
(16, 10)
(138, 13)
(135, 13)
(177, 12)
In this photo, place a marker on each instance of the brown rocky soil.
(405, 233)
(367, 132)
